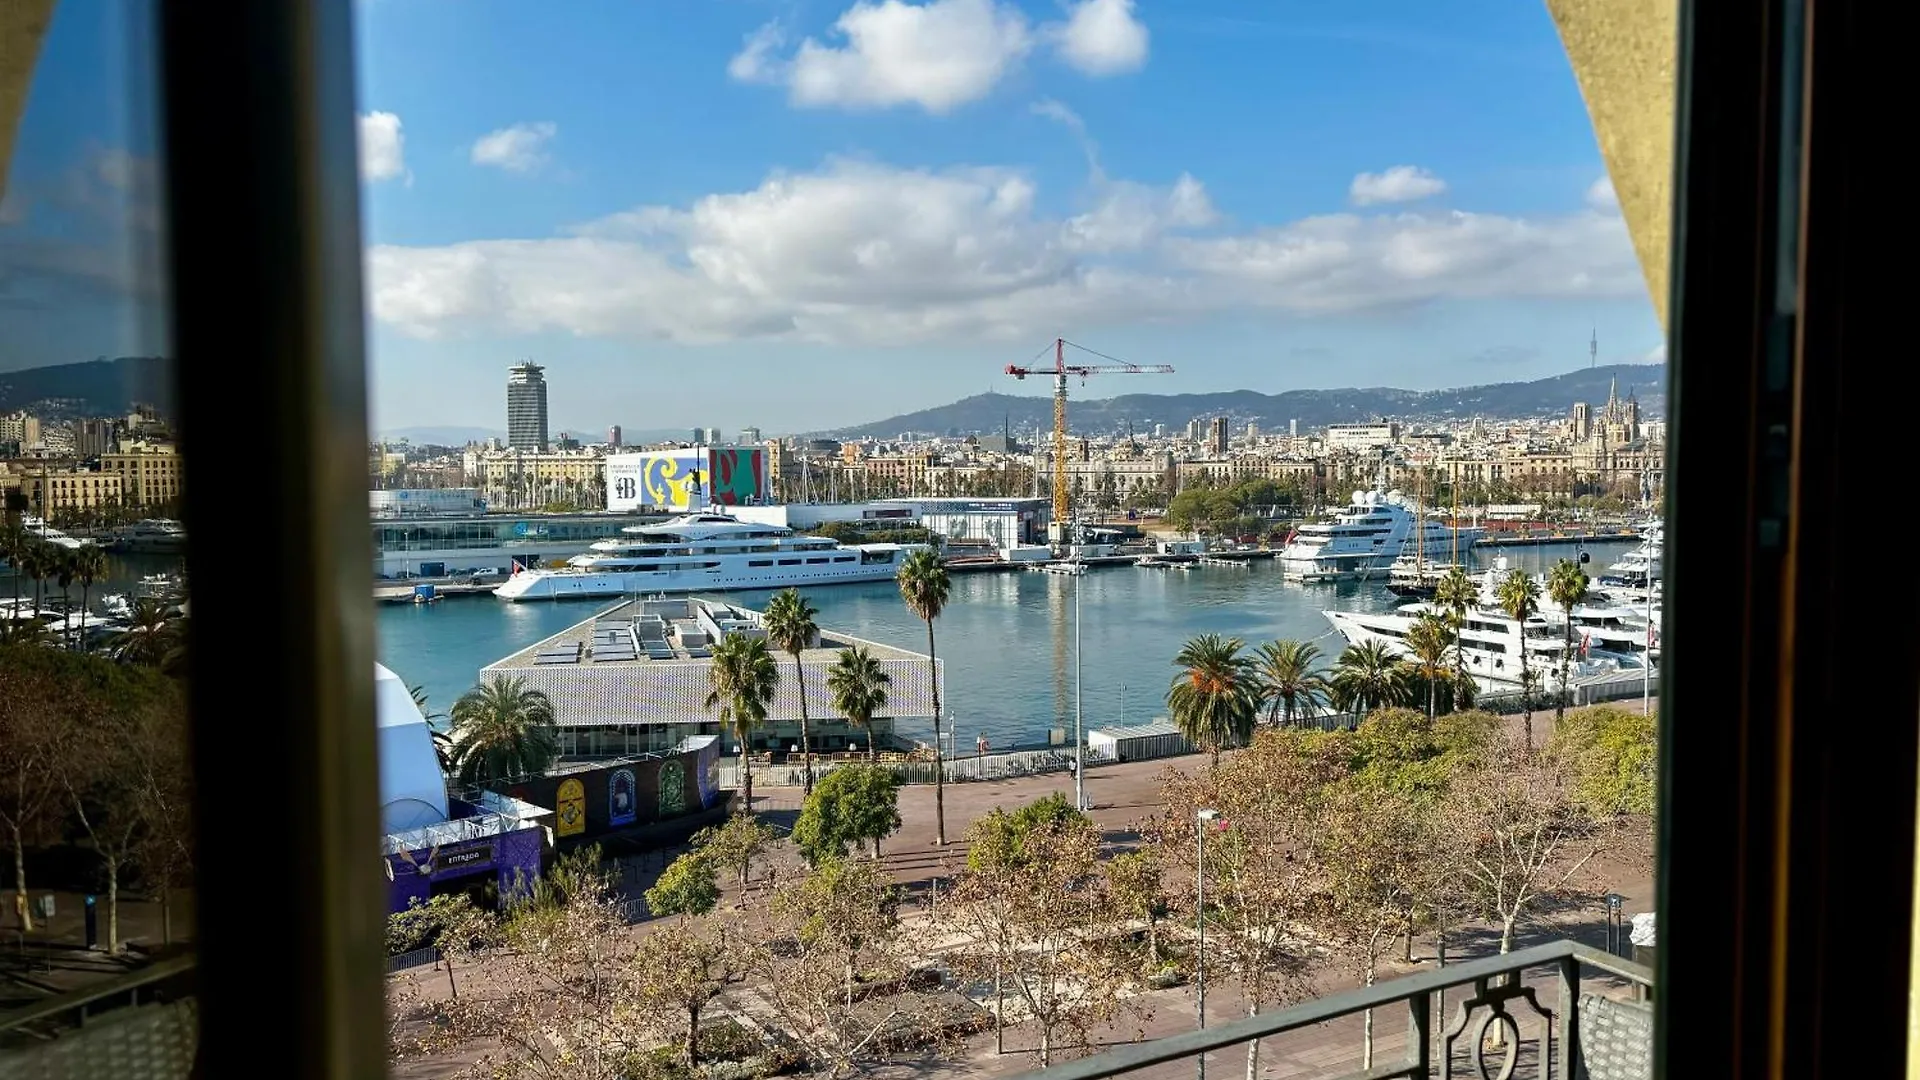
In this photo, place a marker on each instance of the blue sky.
(798, 215)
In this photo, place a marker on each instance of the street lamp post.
(1615, 902)
(1202, 820)
(1079, 735)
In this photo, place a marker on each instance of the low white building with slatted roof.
(633, 679)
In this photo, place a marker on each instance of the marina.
(1005, 639)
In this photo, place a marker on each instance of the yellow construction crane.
(1062, 507)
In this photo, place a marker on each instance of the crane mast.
(1062, 503)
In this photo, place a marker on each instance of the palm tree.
(1456, 593)
(859, 689)
(924, 586)
(1288, 682)
(791, 628)
(89, 566)
(1519, 596)
(62, 567)
(1567, 585)
(503, 729)
(442, 740)
(1215, 699)
(1367, 677)
(742, 680)
(23, 632)
(1428, 641)
(149, 636)
(33, 562)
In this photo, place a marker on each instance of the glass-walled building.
(489, 543)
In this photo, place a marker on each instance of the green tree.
(925, 587)
(1612, 754)
(1567, 586)
(1216, 697)
(842, 922)
(851, 805)
(1135, 881)
(1367, 677)
(503, 729)
(859, 688)
(688, 886)
(735, 843)
(676, 971)
(89, 566)
(742, 680)
(36, 562)
(1001, 838)
(1519, 597)
(1428, 643)
(1289, 683)
(791, 627)
(1380, 853)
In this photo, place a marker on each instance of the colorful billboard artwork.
(739, 475)
(686, 479)
(570, 809)
(623, 803)
(673, 788)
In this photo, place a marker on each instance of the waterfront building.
(52, 491)
(527, 407)
(633, 680)
(149, 472)
(520, 479)
(426, 502)
(433, 546)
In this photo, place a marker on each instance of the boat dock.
(410, 591)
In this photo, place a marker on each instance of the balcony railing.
(1499, 1028)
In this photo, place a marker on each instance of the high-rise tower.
(527, 407)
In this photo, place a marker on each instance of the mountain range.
(990, 413)
(96, 388)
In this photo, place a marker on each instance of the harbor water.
(1006, 639)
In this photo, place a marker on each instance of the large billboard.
(687, 478)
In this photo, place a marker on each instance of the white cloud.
(1102, 37)
(1402, 183)
(382, 146)
(520, 148)
(1656, 355)
(855, 253)
(1601, 195)
(938, 55)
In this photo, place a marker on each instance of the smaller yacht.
(1364, 540)
(39, 528)
(153, 535)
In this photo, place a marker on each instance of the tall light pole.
(1202, 819)
(1079, 736)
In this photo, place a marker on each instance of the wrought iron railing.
(1526, 1013)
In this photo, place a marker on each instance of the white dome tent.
(413, 793)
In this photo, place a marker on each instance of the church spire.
(1613, 397)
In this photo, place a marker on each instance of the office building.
(613, 437)
(1217, 435)
(527, 407)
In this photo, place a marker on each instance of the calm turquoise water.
(1007, 638)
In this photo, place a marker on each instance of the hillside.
(101, 387)
(986, 413)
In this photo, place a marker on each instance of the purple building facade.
(494, 841)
